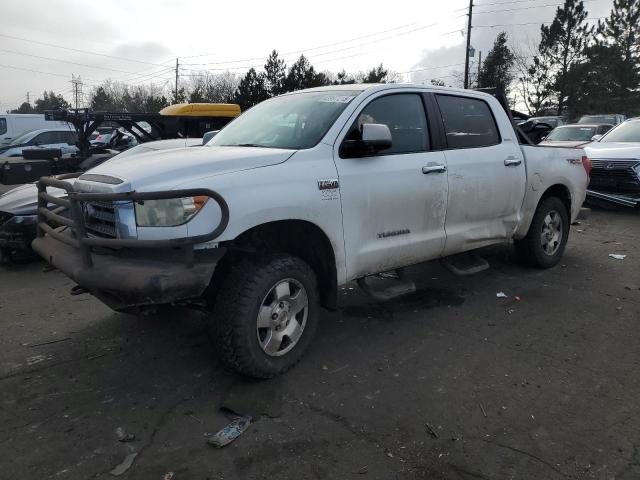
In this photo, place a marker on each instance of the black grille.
(100, 219)
(614, 175)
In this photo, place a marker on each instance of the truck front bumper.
(131, 281)
(126, 274)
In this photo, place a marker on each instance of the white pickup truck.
(302, 194)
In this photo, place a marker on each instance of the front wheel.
(265, 315)
(547, 236)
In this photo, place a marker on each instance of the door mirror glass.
(375, 138)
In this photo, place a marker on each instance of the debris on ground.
(123, 436)
(617, 256)
(124, 466)
(168, 476)
(229, 433)
(517, 298)
(431, 430)
(501, 295)
(363, 470)
(482, 409)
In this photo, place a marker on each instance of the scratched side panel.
(548, 166)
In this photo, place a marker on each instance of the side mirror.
(595, 138)
(375, 137)
(206, 138)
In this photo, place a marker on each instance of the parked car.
(13, 125)
(18, 207)
(304, 193)
(611, 119)
(100, 134)
(574, 135)
(616, 165)
(61, 138)
(552, 120)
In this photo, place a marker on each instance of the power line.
(308, 49)
(13, 52)
(52, 45)
(525, 8)
(528, 23)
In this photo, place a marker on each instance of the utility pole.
(176, 94)
(479, 66)
(76, 84)
(28, 99)
(466, 53)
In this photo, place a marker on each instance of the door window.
(3, 126)
(45, 138)
(468, 122)
(404, 114)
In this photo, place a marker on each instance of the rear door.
(394, 201)
(487, 176)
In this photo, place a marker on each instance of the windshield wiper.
(246, 145)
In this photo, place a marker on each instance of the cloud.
(147, 51)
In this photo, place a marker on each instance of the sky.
(138, 41)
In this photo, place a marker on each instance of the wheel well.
(300, 238)
(561, 192)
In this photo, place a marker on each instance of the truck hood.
(167, 169)
(620, 151)
(23, 200)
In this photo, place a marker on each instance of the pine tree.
(275, 74)
(50, 101)
(251, 90)
(621, 34)
(376, 75)
(496, 71)
(562, 45)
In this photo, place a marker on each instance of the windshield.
(625, 132)
(294, 121)
(572, 133)
(598, 119)
(24, 138)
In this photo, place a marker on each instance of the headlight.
(168, 213)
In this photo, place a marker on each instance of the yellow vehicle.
(194, 119)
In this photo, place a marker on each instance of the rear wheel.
(265, 315)
(547, 236)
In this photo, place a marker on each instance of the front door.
(393, 202)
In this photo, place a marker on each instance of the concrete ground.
(448, 383)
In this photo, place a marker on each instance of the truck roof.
(360, 87)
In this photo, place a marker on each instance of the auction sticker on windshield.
(336, 99)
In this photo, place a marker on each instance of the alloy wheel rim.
(282, 317)
(551, 235)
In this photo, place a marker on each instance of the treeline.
(246, 90)
(580, 68)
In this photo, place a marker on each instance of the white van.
(15, 124)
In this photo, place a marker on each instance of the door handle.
(512, 161)
(434, 169)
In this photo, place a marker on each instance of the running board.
(463, 264)
(395, 286)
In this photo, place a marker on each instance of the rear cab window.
(405, 116)
(468, 122)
